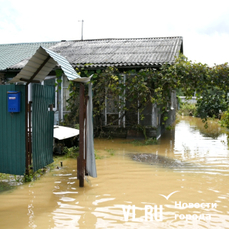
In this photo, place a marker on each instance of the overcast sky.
(203, 24)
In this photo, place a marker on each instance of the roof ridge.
(97, 39)
(140, 38)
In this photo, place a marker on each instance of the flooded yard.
(182, 182)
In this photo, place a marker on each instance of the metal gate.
(12, 133)
(15, 148)
(42, 125)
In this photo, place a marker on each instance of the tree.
(212, 103)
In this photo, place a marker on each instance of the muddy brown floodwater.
(180, 183)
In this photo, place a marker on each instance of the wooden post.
(80, 159)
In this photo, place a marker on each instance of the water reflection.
(30, 210)
(213, 131)
(194, 144)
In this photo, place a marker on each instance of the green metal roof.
(41, 63)
(11, 54)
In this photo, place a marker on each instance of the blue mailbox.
(14, 98)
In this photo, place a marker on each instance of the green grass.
(5, 186)
(9, 182)
(149, 141)
(72, 152)
(97, 156)
(111, 151)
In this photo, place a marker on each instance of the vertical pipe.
(30, 134)
(124, 117)
(105, 111)
(80, 159)
(61, 110)
(85, 145)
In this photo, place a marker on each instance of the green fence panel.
(42, 125)
(12, 133)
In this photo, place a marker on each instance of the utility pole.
(82, 21)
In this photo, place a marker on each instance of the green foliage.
(111, 152)
(126, 92)
(170, 127)
(4, 176)
(28, 177)
(148, 141)
(212, 103)
(72, 118)
(59, 72)
(9, 182)
(225, 119)
(97, 156)
(36, 175)
(5, 186)
(77, 126)
(72, 152)
(151, 141)
(187, 109)
(112, 88)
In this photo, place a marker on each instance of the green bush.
(72, 152)
(225, 119)
(187, 109)
(213, 102)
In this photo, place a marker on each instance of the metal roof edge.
(28, 43)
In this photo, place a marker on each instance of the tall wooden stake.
(80, 159)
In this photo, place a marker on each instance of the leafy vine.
(126, 92)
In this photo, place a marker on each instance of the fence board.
(12, 133)
(42, 125)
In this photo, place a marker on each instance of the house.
(136, 53)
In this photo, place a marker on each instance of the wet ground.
(182, 182)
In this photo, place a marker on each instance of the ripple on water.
(189, 163)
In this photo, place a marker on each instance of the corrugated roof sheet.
(121, 52)
(129, 52)
(11, 54)
(41, 63)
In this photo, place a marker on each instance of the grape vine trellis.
(140, 87)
